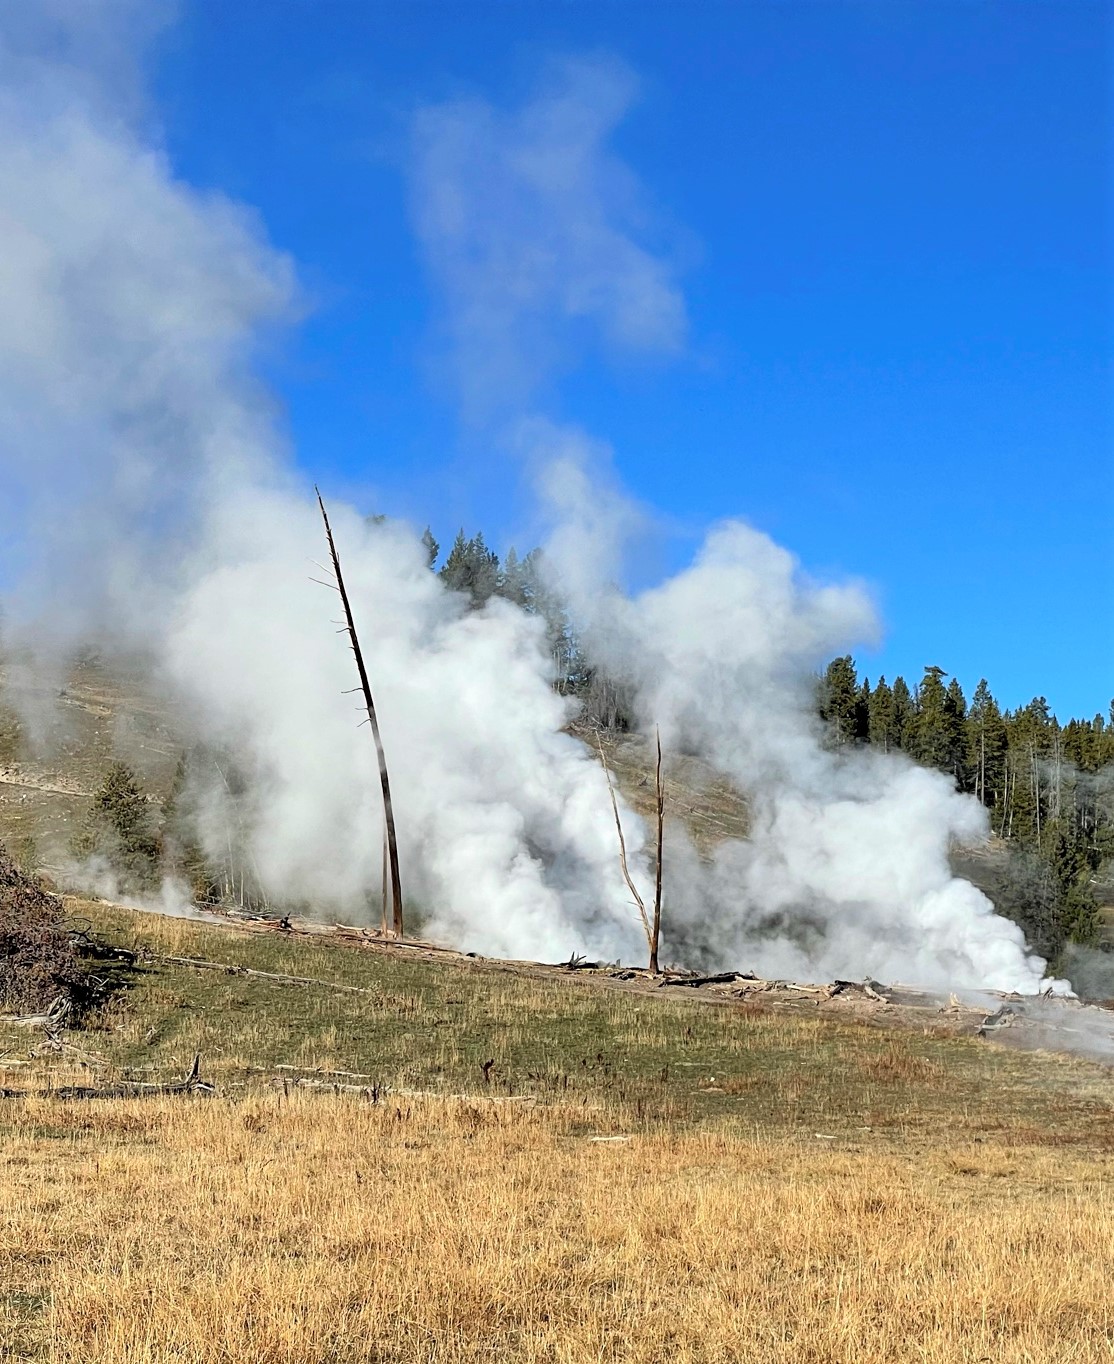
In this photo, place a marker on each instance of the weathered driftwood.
(53, 1017)
(579, 963)
(369, 704)
(374, 1092)
(857, 987)
(1005, 1017)
(192, 1084)
(720, 978)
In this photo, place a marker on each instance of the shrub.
(39, 957)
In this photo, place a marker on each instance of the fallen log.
(53, 1016)
(857, 987)
(378, 1091)
(230, 969)
(287, 1082)
(192, 1084)
(720, 978)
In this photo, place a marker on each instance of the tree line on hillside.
(981, 745)
(1048, 787)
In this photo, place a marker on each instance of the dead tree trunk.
(651, 929)
(365, 687)
(638, 900)
(386, 883)
(657, 884)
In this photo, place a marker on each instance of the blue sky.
(891, 226)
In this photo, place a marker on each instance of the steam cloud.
(148, 499)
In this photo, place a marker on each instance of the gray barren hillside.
(58, 737)
(53, 760)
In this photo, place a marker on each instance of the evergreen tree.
(955, 711)
(1027, 892)
(986, 749)
(903, 713)
(862, 711)
(1073, 869)
(472, 568)
(881, 727)
(120, 830)
(1029, 732)
(570, 669)
(516, 582)
(432, 548)
(841, 702)
(932, 736)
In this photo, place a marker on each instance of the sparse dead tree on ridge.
(651, 927)
(369, 705)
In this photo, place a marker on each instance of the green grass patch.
(454, 1026)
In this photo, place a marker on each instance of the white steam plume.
(148, 497)
(526, 222)
(149, 500)
(846, 867)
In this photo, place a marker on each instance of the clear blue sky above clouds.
(892, 226)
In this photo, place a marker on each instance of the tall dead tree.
(369, 704)
(652, 929)
(657, 883)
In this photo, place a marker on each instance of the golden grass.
(771, 1186)
(308, 1229)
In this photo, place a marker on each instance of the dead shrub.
(39, 957)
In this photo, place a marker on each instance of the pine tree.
(881, 728)
(515, 580)
(1029, 732)
(986, 749)
(903, 713)
(432, 548)
(472, 568)
(840, 701)
(932, 736)
(862, 712)
(120, 830)
(955, 710)
(1072, 867)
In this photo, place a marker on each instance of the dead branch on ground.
(192, 1084)
(198, 964)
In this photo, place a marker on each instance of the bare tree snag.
(386, 883)
(638, 900)
(365, 687)
(657, 884)
(652, 930)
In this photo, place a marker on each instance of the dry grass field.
(324, 1228)
(629, 1179)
